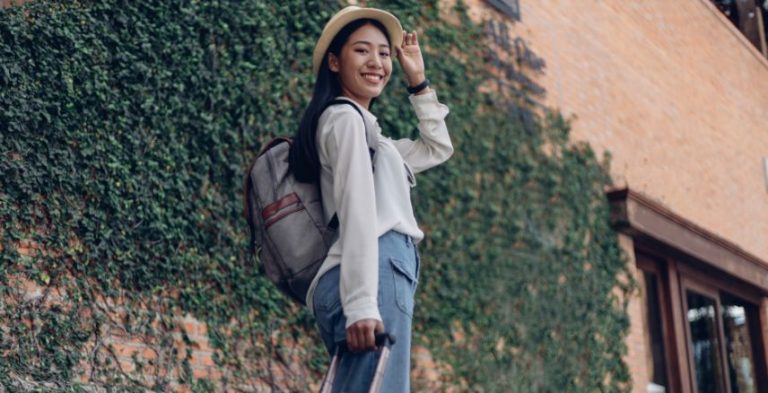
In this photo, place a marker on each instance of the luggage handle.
(383, 342)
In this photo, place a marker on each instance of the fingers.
(351, 339)
(361, 335)
(410, 38)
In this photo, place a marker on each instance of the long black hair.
(304, 161)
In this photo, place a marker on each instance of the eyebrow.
(368, 43)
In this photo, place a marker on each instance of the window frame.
(684, 255)
(688, 284)
(647, 262)
(675, 277)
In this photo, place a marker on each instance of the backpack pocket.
(299, 258)
(284, 206)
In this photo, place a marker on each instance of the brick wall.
(116, 353)
(128, 354)
(8, 3)
(673, 91)
(637, 358)
(677, 96)
(668, 87)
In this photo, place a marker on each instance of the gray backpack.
(285, 216)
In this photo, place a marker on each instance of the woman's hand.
(410, 58)
(361, 335)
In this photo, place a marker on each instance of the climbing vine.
(126, 130)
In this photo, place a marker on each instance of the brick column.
(637, 358)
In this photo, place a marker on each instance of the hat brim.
(347, 15)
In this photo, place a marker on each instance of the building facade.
(676, 91)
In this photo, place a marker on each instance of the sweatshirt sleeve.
(344, 140)
(433, 146)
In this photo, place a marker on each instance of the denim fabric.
(398, 278)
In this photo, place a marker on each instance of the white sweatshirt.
(369, 202)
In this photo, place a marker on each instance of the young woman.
(367, 282)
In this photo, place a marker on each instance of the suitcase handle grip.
(382, 340)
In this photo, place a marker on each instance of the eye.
(361, 50)
(384, 54)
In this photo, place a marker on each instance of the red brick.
(190, 327)
(149, 354)
(181, 388)
(9, 3)
(125, 350)
(127, 366)
(214, 373)
(202, 358)
(181, 350)
(206, 372)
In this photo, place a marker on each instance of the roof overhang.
(650, 222)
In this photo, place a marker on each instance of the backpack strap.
(347, 102)
(334, 223)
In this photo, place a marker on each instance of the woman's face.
(364, 64)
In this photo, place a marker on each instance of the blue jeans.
(398, 278)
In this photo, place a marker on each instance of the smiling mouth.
(373, 77)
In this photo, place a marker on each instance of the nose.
(375, 61)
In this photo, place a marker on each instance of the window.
(655, 330)
(701, 298)
(720, 338)
(656, 316)
(653, 296)
(740, 324)
(706, 360)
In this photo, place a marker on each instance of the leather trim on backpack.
(272, 209)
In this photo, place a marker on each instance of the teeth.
(372, 77)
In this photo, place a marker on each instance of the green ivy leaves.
(126, 130)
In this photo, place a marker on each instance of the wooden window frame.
(684, 255)
(650, 263)
(689, 284)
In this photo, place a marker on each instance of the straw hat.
(347, 15)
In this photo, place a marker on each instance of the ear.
(333, 62)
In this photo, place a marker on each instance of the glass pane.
(655, 337)
(738, 346)
(705, 346)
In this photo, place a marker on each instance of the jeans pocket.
(405, 284)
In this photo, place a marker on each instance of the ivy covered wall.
(126, 127)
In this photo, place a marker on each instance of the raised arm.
(434, 144)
